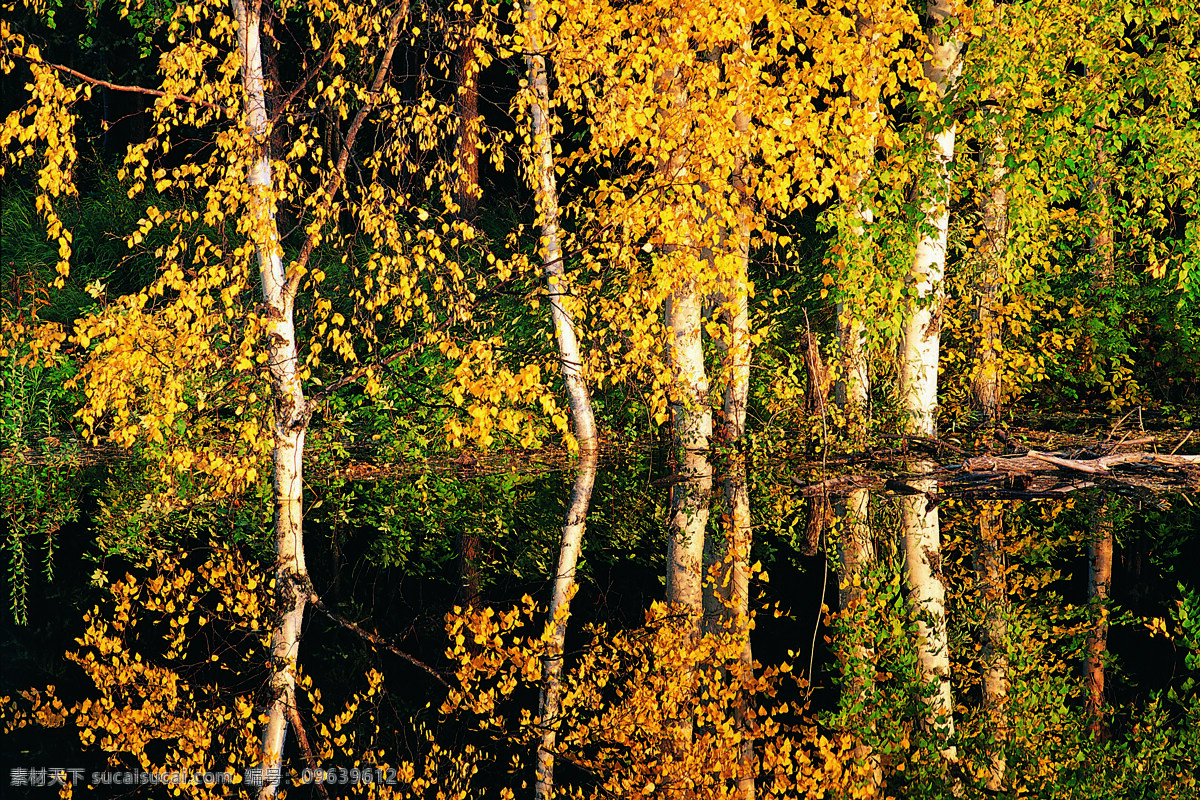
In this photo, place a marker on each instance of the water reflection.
(1029, 592)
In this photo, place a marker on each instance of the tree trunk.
(291, 414)
(856, 555)
(927, 594)
(578, 398)
(985, 380)
(993, 595)
(918, 386)
(691, 412)
(852, 388)
(470, 546)
(1100, 560)
(549, 707)
(691, 415)
(466, 105)
(693, 431)
(733, 589)
(542, 175)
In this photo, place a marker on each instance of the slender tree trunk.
(582, 416)
(549, 706)
(853, 383)
(466, 188)
(693, 431)
(291, 414)
(918, 385)
(542, 175)
(469, 547)
(1100, 548)
(733, 589)
(985, 381)
(856, 555)
(927, 594)
(691, 412)
(1100, 560)
(993, 594)
(852, 389)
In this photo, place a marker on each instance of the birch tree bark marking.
(918, 385)
(292, 584)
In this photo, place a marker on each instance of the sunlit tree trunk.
(1100, 560)
(691, 412)
(918, 385)
(853, 384)
(693, 431)
(927, 594)
(466, 106)
(542, 175)
(582, 416)
(549, 706)
(733, 588)
(993, 595)
(292, 585)
(985, 380)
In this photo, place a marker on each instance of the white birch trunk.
(927, 594)
(542, 139)
(549, 705)
(918, 385)
(693, 430)
(291, 415)
(582, 416)
(856, 555)
(691, 413)
(733, 590)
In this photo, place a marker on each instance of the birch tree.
(571, 362)
(919, 372)
(151, 357)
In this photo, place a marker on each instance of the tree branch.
(339, 172)
(116, 87)
(375, 639)
(302, 737)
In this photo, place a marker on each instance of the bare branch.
(339, 173)
(116, 87)
(375, 639)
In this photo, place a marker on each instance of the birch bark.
(549, 702)
(856, 555)
(582, 416)
(985, 383)
(918, 385)
(562, 316)
(291, 414)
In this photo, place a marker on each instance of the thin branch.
(339, 172)
(375, 639)
(116, 87)
(282, 107)
(302, 737)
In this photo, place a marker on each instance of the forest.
(600, 398)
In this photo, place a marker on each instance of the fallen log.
(1035, 474)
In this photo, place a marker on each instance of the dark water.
(396, 554)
